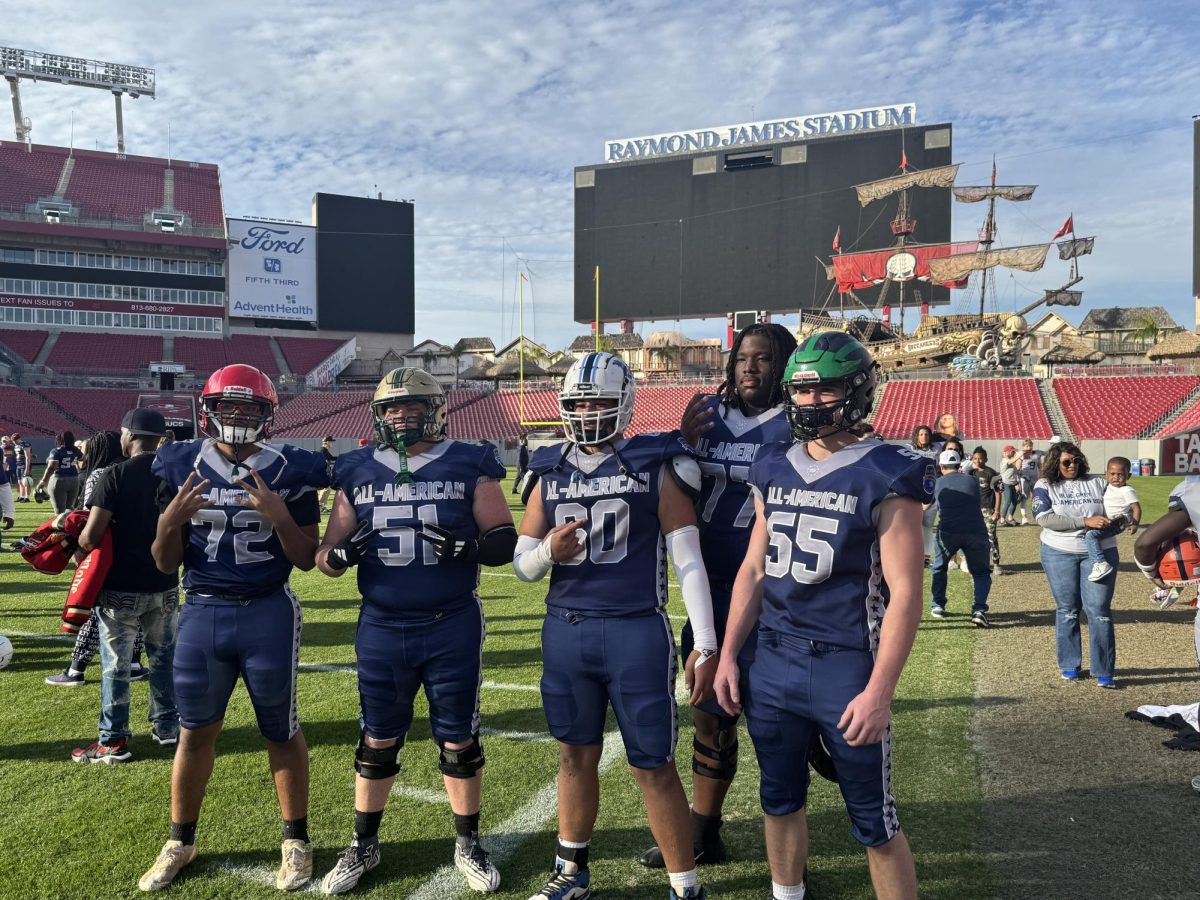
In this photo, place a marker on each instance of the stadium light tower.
(73, 70)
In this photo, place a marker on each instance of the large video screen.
(698, 235)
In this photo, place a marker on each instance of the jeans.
(1068, 577)
(975, 548)
(120, 614)
(1094, 536)
(1010, 500)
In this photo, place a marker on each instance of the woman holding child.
(1067, 501)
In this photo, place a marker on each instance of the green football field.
(76, 832)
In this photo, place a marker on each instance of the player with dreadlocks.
(727, 428)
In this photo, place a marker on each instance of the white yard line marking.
(504, 840)
(327, 667)
(39, 636)
(492, 574)
(255, 874)
(528, 736)
(504, 686)
(425, 795)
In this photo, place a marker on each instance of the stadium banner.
(324, 374)
(178, 409)
(1181, 454)
(723, 137)
(272, 270)
(115, 306)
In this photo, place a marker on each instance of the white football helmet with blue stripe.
(597, 376)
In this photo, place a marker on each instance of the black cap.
(145, 422)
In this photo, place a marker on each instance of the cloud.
(481, 111)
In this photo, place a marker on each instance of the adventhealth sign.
(770, 131)
(272, 270)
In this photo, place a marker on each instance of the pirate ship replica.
(967, 341)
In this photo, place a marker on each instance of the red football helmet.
(1179, 560)
(237, 427)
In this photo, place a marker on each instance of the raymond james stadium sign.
(770, 131)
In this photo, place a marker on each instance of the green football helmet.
(410, 384)
(829, 358)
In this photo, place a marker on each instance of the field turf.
(76, 832)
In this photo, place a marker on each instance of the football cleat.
(477, 867)
(353, 862)
(297, 868)
(174, 857)
(105, 754)
(567, 882)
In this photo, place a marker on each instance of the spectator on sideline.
(329, 456)
(956, 495)
(1066, 502)
(1123, 510)
(62, 473)
(1031, 464)
(1010, 478)
(522, 463)
(990, 489)
(168, 438)
(922, 442)
(8, 477)
(135, 594)
(103, 450)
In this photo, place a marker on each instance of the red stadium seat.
(21, 411)
(305, 354)
(1107, 408)
(101, 353)
(985, 408)
(26, 344)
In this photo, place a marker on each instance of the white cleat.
(174, 857)
(353, 862)
(476, 865)
(297, 868)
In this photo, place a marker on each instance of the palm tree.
(1146, 331)
(456, 353)
(427, 360)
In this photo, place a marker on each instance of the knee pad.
(462, 763)
(820, 760)
(374, 764)
(724, 757)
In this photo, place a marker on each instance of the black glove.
(40, 495)
(446, 545)
(8, 523)
(349, 550)
(1185, 740)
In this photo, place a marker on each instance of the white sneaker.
(297, 868)
(951, 565)
(1100, 571)
(353, 862)
(996, 570)
(476, 865)
(174, 857)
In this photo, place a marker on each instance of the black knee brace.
(462, 763)
(820, 760)
(374, 764)
(725, 756)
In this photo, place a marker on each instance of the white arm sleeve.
(683, 546)
(532, 559)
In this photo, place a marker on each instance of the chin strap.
(403, 476)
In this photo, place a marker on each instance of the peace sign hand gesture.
(261, 498)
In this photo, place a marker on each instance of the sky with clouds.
(480, 111)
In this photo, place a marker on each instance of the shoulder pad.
(528, 483)
(545, 458)
(686, 471)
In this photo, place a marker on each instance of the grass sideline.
(75, 831)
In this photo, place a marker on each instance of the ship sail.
(1028, 258)
(858, 271)
(940, 177)
(975, 193)
(1075, 247)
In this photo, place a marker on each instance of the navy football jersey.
(400, 576)
(823, 576)
(622, 568)
(230, 550)
(725, 510)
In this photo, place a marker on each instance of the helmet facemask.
(236, 425)
(413, 428)
(590, 428)
(810, 421)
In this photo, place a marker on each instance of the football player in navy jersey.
(418, 515)
(603, 514)
(727, 429)
(238, 514)
(836, 542)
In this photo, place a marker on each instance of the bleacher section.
(91, 353)
(1119, 406)
(1186, 422)
(986, 408)
(198, 192)
(305, 354)
(26, 177)
(100, 410)
(20, 411)
(26, 344)
(107, 187)
(204, 356)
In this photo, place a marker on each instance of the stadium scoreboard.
(746, 225)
